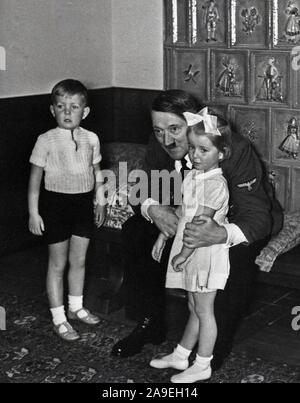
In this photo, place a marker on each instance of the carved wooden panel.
(229, 79)
(196, 22)
(285, 136)
(286, 15)
(270, 78)
(295, 199)
(190, 72)
(280, 178)
(221, 110)
(253, 123)
(295, 71)
(246, 59)
(250, 21)
(209, 22)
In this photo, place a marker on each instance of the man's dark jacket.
(253, 207)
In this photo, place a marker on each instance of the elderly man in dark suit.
(252, 218)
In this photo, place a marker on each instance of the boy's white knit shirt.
(67, 170)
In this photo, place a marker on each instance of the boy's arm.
(178, 211)
(36, 224)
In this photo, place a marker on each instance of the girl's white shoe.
(177, 360)
(199, 371)
(170, 361)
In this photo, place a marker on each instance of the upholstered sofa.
(284, 250)
(105, 254)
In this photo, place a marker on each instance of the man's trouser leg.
(144, 278)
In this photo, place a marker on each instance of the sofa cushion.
(132, 155)
(287, 239)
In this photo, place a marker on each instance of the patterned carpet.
(31, 353)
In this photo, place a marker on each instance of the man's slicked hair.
(175, 101)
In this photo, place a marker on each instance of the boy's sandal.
(84, 315)
(66, 332)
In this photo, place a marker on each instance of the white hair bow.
(210, 121)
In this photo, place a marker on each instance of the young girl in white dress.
(205, 270)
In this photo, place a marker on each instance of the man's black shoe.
(145, 332)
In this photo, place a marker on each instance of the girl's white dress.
(208, 267)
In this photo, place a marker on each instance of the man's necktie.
(184, 168)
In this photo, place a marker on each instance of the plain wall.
(138, 43)
(48, 40)
(103, 43)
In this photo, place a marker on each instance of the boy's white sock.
(58, 315)
(75, 303)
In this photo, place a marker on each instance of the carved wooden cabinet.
(242, 57)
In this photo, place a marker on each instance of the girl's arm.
(186, 252)
(178, 211)
(36, 224)
(100, 209)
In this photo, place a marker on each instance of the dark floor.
(266, 332)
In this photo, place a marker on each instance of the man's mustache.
(170, 146)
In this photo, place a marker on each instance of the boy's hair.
(175, 101)
(69, 87)
(223, 142)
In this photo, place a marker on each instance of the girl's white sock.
(58, 315)
(181, 352)
(203, 361)
(75, 303)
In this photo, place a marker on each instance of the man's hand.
(164, 218)
(203, 231)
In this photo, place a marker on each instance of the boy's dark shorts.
(65, 215)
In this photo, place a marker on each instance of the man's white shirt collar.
(178, 164)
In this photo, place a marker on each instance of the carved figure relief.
(292, 28)
(290, 144)
(227, 82)
(271, 82)
(250, 131)
(189, 74)
(210, 19)
(251, 19)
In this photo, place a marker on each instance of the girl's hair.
(223, 142)
(175, 101)
(69, 87)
